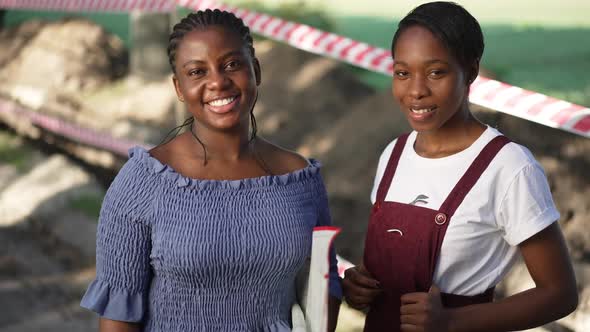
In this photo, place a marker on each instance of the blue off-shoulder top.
(182, 254)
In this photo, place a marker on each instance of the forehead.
(209, 41)
(418, 42)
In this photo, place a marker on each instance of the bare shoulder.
(172, 152)
(163, 152)
(279, 159)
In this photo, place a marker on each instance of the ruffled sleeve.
(325, 219)
(123, 274)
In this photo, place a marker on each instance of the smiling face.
(429, 84)
(217, 78)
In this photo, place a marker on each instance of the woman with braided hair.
(207, 231)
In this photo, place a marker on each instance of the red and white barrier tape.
(305, 37)
(531, 105)
(71, 131)
(489, 93)
(485, 92)
(162, 6)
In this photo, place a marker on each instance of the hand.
(423, 312)
(359, 286)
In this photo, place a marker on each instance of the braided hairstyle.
(201, 20)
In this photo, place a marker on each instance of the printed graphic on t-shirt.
(420, 199)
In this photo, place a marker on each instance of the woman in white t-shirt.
(455, 202)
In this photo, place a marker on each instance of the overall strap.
(472, 174)
(391, 167)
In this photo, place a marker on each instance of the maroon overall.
(403, 241)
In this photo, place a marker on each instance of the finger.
(360, 291)
(356, 275)
(414, 298)
(416, 320)
(351, 289)
(361, 275)
(360, 299)
(362, 269)
(435, 295)
(434, 290)
(414, 308)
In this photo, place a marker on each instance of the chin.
(423, 127)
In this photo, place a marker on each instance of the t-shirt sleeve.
(123, 246)
(325, 219)
(381, 166)
(527, 207)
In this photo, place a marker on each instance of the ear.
(177, 88)
(257, 72)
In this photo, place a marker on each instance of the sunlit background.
(51, 188)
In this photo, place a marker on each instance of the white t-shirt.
(509, 203)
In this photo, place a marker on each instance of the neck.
(221, 145)
(457, 134)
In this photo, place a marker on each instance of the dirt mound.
(307, 103)
(311, 104)
(70, 55)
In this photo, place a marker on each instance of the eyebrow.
(429, 62)
(191, 62)
(226, 55)
(232, 53)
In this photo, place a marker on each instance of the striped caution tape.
(502, 97)
(162, 6)
(69, 130)
(485, 92)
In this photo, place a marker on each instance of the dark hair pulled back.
(202, 20)
(454, 26)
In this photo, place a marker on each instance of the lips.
(222, 105)
(421, 108)
(421, 112)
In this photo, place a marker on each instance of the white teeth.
(421, 111)
(222, 102)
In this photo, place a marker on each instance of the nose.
(418, 88)
(217, 80)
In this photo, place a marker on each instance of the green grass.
(14, 152)
(292, 11)
(549, 60)
(88, 204)
(544, 59)
(564, 13)
(527, 43)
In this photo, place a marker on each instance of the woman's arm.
(121, 288)
(107, 325)
(554, 295)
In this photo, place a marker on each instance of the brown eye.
(232, 65)
(437, 73)
(401, 74)
(196, 72)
